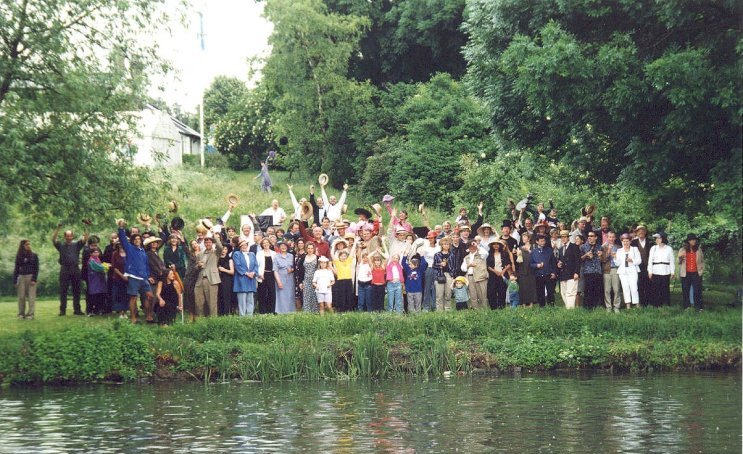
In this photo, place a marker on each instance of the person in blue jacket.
(136, 273)
(244, 283)
(542, 262)
(414, 270)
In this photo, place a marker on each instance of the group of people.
(314, 260)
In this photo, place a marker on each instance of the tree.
(243, 133)
(645, 94)
(406, 41)
(72, 76)
(317, 108)
(223, 93)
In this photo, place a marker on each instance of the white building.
(162, 140)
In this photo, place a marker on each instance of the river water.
(591, 413)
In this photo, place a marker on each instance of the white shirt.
(260, 257)
(427, 252)
(323, 278)
(632, 267)
(278, 214)
(661, 260)
(333, 212)
(395, 274)
(364, 273)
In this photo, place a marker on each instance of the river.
(591, 413)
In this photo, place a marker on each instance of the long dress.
(309, 300)
(225, 294)
(189, 282)
(166, 314)
(527, 282)
(284, 296)
(267, 289)
(299, 258)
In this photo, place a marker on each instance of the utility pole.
(201, 101)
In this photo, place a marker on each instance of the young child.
(395, 280)
(513, 290)
(460, 292)
(462, 218)
(323, 281)
(414, 270)
(379, 282)
(343, 267)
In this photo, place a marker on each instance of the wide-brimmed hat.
(465, 227)
(144, 218)
(323, 179)
(503, 244)
(482, 228)
(232, 199)
(564, 232)
(338, 241)
(387, 198)
(583, 219)
(400, 229)
(173, 206)
(152, 239)
(177, 223)
(338, 224)
(420, 207)
(641, 227)
(206, 223)
(543, 224)
(349, 236)
(305, 212)
(363, 211)
(377, 207)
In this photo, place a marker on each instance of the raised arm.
(56, 232)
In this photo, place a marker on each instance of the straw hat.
(207, 223)
(323, 179)
(420, 207)
(306, 211)
(173, 206)
(232, 199)
(377, 207)
(482, 228)
(461, 279)
(151, 239)
(344, 208)
(144, 218)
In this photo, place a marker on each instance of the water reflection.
(580, 413)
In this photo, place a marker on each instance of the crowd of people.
(315, 260)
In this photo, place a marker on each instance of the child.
(460, 292)
(343, 267)
(323, 281)
(379, 281)
(513, 290)
(462, 218)
(414, 271)
(395, 279)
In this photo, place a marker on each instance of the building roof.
(179, 125)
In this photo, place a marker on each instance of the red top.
(691, 262)
(378, 276)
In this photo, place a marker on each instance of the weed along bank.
(349, 346)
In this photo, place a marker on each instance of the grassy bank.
(373, 345)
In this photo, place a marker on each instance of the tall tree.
(223, 94)
(72, 76)
(641, 93)
(316, 107)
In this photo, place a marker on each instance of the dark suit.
(643, 282)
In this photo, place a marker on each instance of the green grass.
(200, 193)
(345, 346)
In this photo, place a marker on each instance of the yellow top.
(343, 268)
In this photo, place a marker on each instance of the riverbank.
(343, 346)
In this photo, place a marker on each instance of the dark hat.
(177, 223)
(506, 223)
(363, 211)
(691, 236)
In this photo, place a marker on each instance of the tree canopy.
(72, 76)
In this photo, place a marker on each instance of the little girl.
(379, 281)
(323, 281)
(395, 281)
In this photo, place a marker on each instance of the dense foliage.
(72, 76)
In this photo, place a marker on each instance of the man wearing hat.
(319, 210)
(208, 280)
(568, 269)
(507, 235)
(69, 268)
(643, 244)
(475, 270)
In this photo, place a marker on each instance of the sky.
(234, 32)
